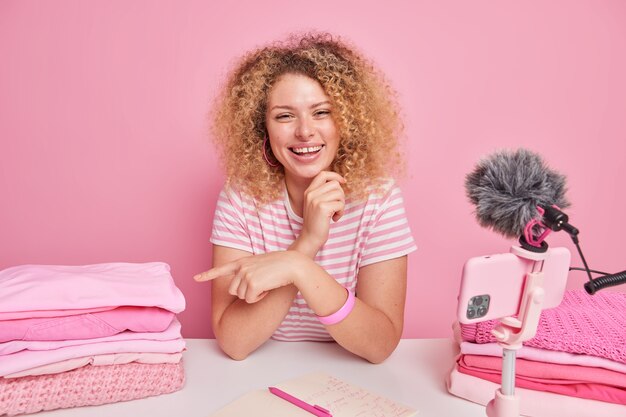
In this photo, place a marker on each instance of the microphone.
(517, 195)
(510, 189)
(556, 220)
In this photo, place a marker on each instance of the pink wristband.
(340, 314)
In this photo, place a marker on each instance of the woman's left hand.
(253, 276)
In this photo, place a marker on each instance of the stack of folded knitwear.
(574, 366)
(87, 335)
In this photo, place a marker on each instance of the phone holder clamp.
(512, 332)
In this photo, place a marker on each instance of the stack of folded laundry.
(575, 365)
(87, 335)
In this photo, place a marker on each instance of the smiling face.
(301, 129)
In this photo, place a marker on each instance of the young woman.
(310, 235)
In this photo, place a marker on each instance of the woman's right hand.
(324, 200)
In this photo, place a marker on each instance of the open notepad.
(337, 396)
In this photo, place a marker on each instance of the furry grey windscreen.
(507, 187)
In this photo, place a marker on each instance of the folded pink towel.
(592, 391)
(89, 385)
(549, 373)
(98, 360)
(30, 291)
(20, 356)
(543, 355)
(532, 403)
(87, 325)
(584, 324)
(172, 332)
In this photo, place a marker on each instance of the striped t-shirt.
(370, 231)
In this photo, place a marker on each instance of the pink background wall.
(104, 153)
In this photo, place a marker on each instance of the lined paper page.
(343, 399)
(261, 403)
(337, 396)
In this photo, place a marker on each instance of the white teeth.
(306, 150)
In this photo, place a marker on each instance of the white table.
(413, 375)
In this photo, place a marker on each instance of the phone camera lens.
(478, 300)
(471, 313)
(482, 311)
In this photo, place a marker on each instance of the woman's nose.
(304, 130)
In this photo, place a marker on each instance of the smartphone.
(491, 286)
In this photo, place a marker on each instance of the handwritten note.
(339, 397)
(342, 398)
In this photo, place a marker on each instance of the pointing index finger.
(220, 271)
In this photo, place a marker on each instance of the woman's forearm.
(243, 327)
(366, 331)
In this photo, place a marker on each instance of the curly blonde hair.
(364, 107)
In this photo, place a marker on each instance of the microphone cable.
(595, 284)
(609, 280)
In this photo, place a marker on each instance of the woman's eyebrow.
(321, 103)
(280, 107)
(287, 107)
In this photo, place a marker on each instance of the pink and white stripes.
(370, 231)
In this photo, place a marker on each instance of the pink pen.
(313, 409)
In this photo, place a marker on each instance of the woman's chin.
(304, 173)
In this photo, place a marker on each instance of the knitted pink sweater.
(89, 385)
(591, 325)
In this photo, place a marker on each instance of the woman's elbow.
(375, 360)
(234, 350)
(237, 356)
(381, 353)
(378, 356)
(231, 346)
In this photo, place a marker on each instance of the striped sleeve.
(389, 236)
(229, 223)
